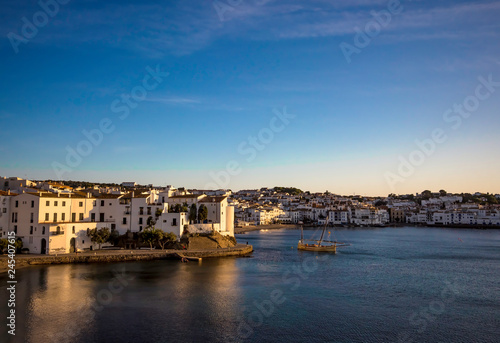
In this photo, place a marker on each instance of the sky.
(350, 96)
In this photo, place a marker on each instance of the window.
(15, 229)
(149, 211)
(55, 203)
(80, 204)
(94, 203)
(32, 203)
(4, 210)
(17, 203)
(174, 222)
(102, 202)
(55, 217)
(73, 230)
(31, 219)
(31, 230)
(64, 203)
(43, 230)
(80, 217)
(46, 217)
(140, 220)
(47, 203)
(124, 221)
(83, 241)
(14, 217)
(140, 228)
(63, 216)
(58, 230)
(92, 217)
(141, 210)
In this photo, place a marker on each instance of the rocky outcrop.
(210, 241)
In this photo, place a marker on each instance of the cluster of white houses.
(53, 218)
(265, 206)
(58, 221)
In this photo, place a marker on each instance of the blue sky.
(353, 122)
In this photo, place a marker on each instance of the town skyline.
(303, 190)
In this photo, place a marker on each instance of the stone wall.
(122, 256)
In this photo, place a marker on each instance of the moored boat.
(318, 245)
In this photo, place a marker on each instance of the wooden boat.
(318, 245)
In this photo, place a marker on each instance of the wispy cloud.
(175, 100)
(181, 28)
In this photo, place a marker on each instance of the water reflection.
(84, 303)
(59, 307)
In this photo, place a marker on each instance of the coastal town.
(58, 217)
(278, 205)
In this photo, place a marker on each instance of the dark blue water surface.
(391, 285)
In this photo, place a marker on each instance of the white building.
(59, 223)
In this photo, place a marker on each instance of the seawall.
(122, 256)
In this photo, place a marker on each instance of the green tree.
(202, 213)
(442, 192)
(150, 222)
(427, 194)
(99, 236)
(192, 213)
(166, 237)
(4, 243)
(114, 236)
(184, 207)
(18, 245)
(158, 213)
(151, 235)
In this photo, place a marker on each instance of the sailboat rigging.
(320, 245)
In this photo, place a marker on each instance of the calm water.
(391, 285)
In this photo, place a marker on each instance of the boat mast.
(323, 233)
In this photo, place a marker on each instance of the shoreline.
(105, 256)
(250, 228)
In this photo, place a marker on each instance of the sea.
(403, 284)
